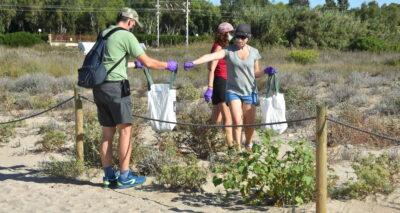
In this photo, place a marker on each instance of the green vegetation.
(64, 169)
(189, 93)
(20, 39)
(264, 176)
(368, 43)
(304, 56)
(7, 131)
(52, 140)
(374, 175)
(294, 24)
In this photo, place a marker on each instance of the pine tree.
(301, 3)
(330, 4)
(343, 5)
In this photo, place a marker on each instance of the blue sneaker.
(131, 181)
(110, 181)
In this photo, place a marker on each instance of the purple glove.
(270, 71)
(188, 65)
(172, 66)
(138, 64)
(208, 94)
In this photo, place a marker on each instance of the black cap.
(243, 30)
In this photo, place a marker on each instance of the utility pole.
(158, 23)
(187, 23)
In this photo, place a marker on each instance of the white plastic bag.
(161, 100)
(273, 107)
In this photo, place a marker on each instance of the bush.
(52, 140)
(64, 169)
(304, 56)
(182, 175)
(368, 43)
(198, 140)
(20, 39)
(393, 62)
(189, 93)
(34, 84)
(374, 175)
(262, 175)
(7, 131)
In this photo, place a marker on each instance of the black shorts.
(113, 107)
(219, 88)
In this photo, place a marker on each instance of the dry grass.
(364, 80)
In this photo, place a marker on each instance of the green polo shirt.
(119, 44)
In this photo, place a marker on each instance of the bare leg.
(125, 147)
(226, 114)
(236, 111)
(249, 114)
(106, 146)
(216, 114)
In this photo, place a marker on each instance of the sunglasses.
(241, 37)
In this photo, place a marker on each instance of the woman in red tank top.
(217, 74)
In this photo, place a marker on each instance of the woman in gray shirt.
(241, 89)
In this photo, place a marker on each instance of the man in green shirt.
(112, 98)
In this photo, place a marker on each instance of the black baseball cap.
(243, 30)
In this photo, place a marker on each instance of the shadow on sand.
(25, 174)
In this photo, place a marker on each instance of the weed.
(187, 174)
(374, 175)
(304, 56)
(7, 131)
(64, 169)
(52, 140)
(189, 93)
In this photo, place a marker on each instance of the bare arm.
(151, 62)
(211, 69)
(257, 72)
(210, 57)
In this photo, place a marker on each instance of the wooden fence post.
(78, 126)
(321, 156)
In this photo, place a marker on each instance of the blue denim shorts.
(247, 99)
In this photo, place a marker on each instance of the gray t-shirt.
(241, 79)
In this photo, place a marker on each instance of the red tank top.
(220, 70)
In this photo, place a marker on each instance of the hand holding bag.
(273, 108)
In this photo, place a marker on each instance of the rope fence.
(37, 114)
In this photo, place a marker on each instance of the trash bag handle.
(151, 82)
(272, 81)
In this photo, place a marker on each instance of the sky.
(353, 3)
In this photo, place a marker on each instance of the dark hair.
(122, 18)
(221, 39)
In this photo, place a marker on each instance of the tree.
(330, 4)
(299, 3)
(343, 5)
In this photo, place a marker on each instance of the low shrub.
(186, 174)
(7, 131)
(368, 43)
(64, 169)
(262, 176)
(374, 175)
(35, 84)
(52, 140)
(189, 93)
(198, 140)
(20, 39)
(304, 56)
(393, 62)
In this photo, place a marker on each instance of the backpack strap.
(105, 37)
